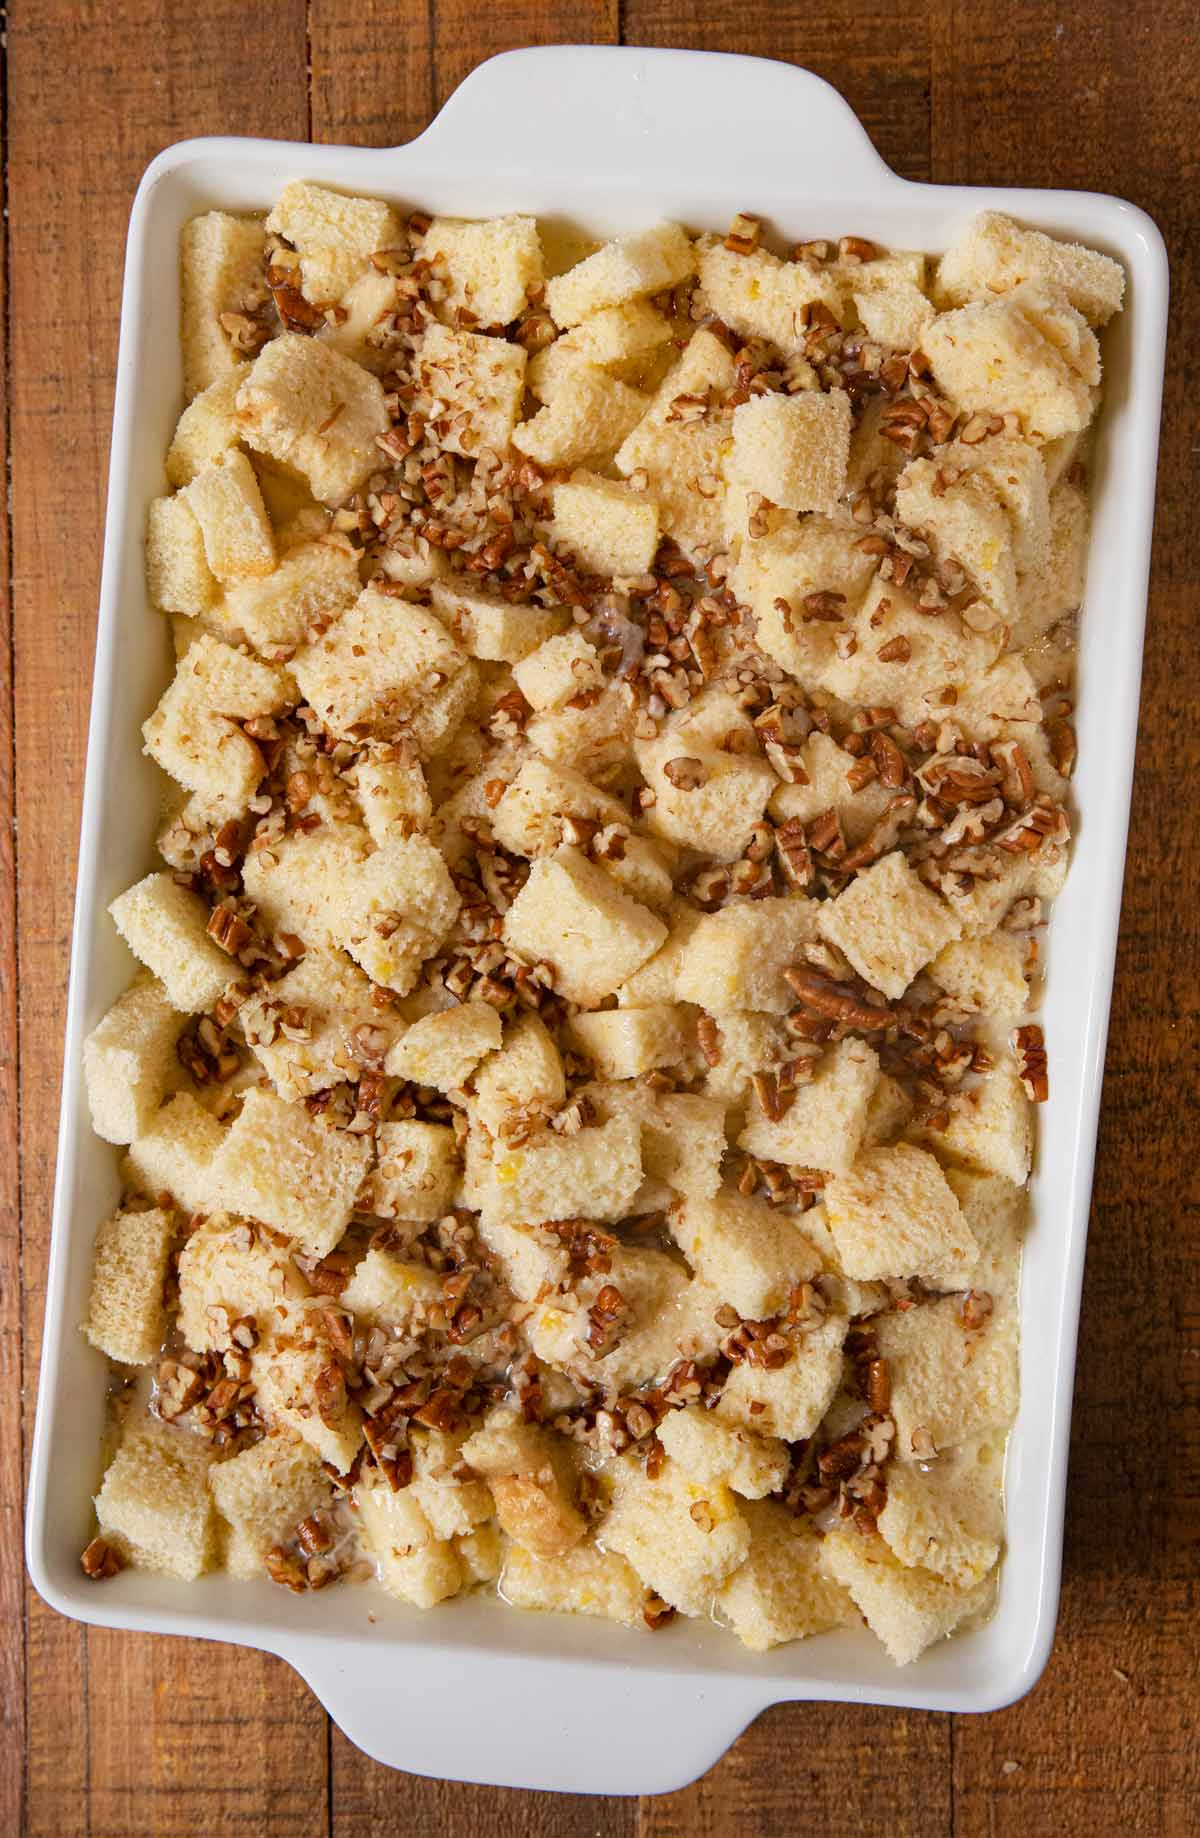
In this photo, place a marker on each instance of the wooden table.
(104, 1733)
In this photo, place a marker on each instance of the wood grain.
(121, 1735)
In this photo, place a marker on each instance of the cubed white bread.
(793, 450)
(528, 818)
(126, 1318)
(490, 628)
(783, 1591)
(334, 235)
(897, 315)
(390, 665)
(762, 297)
(229, 1269)
(582, 1581)
(593, 1174)
(888, 923)
(221, 271)
(644, 263)
(452, 1500)
(735, 958)
(790, 1400)
(206, 429)
(626, 340)
(657, 980)
(175, 1154)
(178, 577)
(128, 1058)
(368, 333)
(417, 1171)
(709, 1450)
(588, 419)
(747, 1043)
(947, 1516)
(714, 815)
(570, 915)
(824, 787)
(392, 793)
(314, 410)
(1016, 473)
(983, 902)
(623, 1042)
(262, 1494)
(610, 528)
(995, 255)
(991, 1126)
(413, 562)
(907, 1609)
(481, 1553)
(298, 885)
(776, 576)
(531, 1473)
(312, 586)
(413, 1565)
(592, 739)
(280, 1164)
(666, 1317)
(526, 1072)
(154, 1506)
(872, 454)
(683, 1134)
(683, 1537)
(1054, 590)
(998, 1215)
(562, 667)
(893, 1214)
(966, 521)
(642, 869)
(492, 266)
(443, 1050)
(996, 357)
(845, 1294)
(951, 1382)
(193, 733)
(889, 1112)
(334, 998)
(985, 975)
(166, 927)
(683, 456)
(289, 1373)
(226, 502)
(750, 1254)
(532, 1259)
(471, 387)
(399, 905)
(823, 1126)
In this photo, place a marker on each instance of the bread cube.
(898, 315)
(889, 1111)
(262, 1494)
(493, 267)
(823, 1127)
(315, 410)
(824, 787)
(1015, 472)
(561, 668)
(735, 958)
(592, 739)
(683, 1135)
(154, 1506)
(312, 585)
(998, 1215)
(452, 1502)
(388, 666)
(790, 1400)
(964, 520)
(991, 1126)
(399, 904)
(128, 1058)
(684, 455)
(783, 1590)
(413, 1565)
(588, 418)
(709, 1450)
(888, 923)
(793, 450)
(995, 255)
(662, 1320)
(193, 735)
(683, 1537)
(948, 1516)
(229, 1269)
(334, 235)
(333, 997)
(392, 793)
(298, 886)
(894, 1215)
(470, 387)
(777, 575)
(532, 1480)
(166, 927)
(443, 1050)
(746, 1043)
(226, 502)
(644, 870)
(750, 1254)
(490, 628)
(646, 262)
(760, 296)
(705, 368)
(526, 1073)
(623, 1042)
(206, 429)
(481, 1553)
(280, 1164)
(221, 271)
(950, 1381)
(532, 1259)
(984, 975)
(570, 915)
(299, 1387)
(908, 1609)
(175, 1155)
(126, 1318)
(704, 798)
(624, 340)
(178, 577)
(593, 1174)
(611, 529)
(1049, 593)
(582, 1581)
(994, 357)
(417, 1172)
(528, 819)
(658, 978)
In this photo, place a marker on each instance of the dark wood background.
(104, 1733)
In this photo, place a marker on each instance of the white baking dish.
(615, 138)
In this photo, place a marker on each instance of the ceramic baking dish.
(616, 139)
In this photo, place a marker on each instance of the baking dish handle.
(574, 1727)
(587, 110)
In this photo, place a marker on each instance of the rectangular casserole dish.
(475, 1693)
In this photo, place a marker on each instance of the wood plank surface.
(121, 1735)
